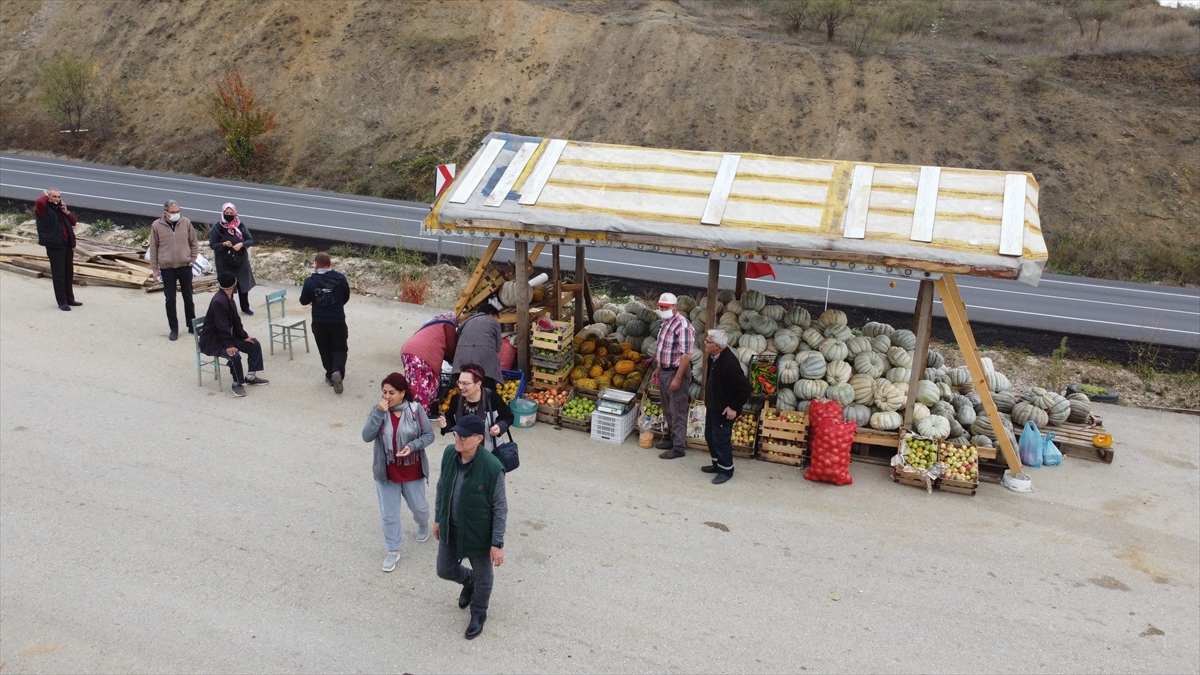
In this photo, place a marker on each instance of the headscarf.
(446, 317)
(232, 226)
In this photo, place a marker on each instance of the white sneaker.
(389, 563)
(423, 533)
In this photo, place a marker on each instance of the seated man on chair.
(223, 335)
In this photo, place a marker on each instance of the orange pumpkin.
(596, 371)
(624, 367)
(587, 347)
(1102, 440)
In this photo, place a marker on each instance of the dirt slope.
(371, 94)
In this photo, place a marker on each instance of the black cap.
(227, 280)
(470, 425)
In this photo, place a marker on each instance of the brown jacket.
(171, 248)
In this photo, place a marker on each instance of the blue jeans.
(389, 494)
(718, 433)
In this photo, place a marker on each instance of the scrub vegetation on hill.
(1099, 99)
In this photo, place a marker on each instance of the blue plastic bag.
(1051, 455)
(1030, 447)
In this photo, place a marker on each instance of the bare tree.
(67, 90)
(1100, 12)
(868, 23)
(831, 14)
(794, 13)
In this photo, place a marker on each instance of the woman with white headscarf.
(229, 238)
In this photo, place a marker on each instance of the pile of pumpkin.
(866, 371)
(616, 350)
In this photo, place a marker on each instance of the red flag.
(759, 270)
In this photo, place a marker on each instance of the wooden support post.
(710, 319)
(523, 296)
(537, 252)
(956, 312)
(740, 286)
(480, 268)
(587, 298)
(556, 285)
(579, 294)
(922, 320)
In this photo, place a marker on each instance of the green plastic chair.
(201, 363)
(282, 328)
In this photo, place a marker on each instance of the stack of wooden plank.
(97, 263)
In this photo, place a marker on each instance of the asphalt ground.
(148, 524)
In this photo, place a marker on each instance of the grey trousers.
(675, 406)
(389, 495)
(450, 567)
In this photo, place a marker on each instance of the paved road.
(1071, 305)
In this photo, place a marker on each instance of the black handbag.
(507, 454)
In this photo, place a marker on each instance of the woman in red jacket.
(423, 353)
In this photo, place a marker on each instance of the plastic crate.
(509, 375)
(612, 428)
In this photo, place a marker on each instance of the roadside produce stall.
(913, 222)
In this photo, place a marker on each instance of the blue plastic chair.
(282, 328)
(201, 363)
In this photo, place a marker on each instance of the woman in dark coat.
(479, 342)
(229, 240)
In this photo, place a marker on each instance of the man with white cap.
(223, 335)
(676, 338)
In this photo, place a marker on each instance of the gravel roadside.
(148, 524)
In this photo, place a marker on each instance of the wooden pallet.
(1074, 439)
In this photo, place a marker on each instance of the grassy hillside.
(370, 95)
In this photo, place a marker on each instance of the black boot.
(476, 626)
(468, 592)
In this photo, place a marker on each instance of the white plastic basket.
(612, 428)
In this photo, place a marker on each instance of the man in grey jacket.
(173, 247)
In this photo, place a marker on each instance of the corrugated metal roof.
(745, 206)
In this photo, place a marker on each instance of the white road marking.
(166, 176)
(218, 197)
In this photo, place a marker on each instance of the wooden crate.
(584, 425)
(555, 380)
(1074, 439)
(550, 414)
(772, 434)
(572, 423)
(557, 341)
(489, 283)
(872, 446)
(943, 484)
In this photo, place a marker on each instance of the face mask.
(173, 217)
(664, 313)
(228, 218)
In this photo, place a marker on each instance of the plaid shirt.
(676, 339)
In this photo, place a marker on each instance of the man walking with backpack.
(328, 292)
